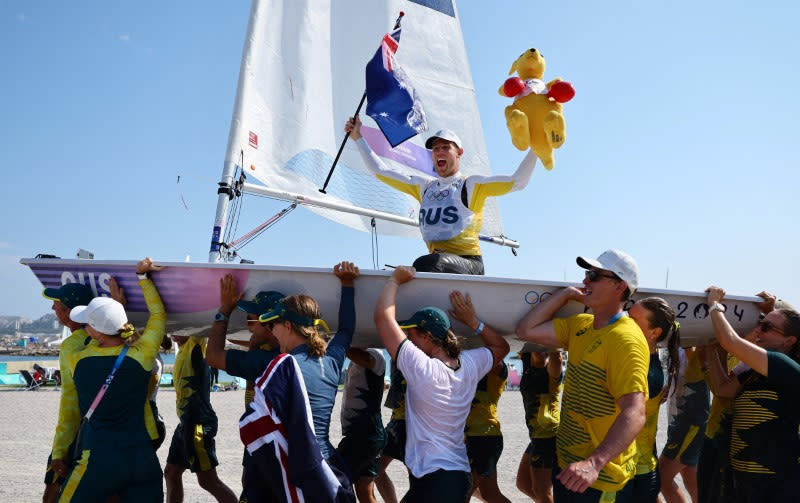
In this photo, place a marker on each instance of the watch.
(220, 317)
(143, 275)
(716, 306)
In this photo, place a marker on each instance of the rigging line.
(236, 205)
(229, 219)
(250, 236)
(240, 196)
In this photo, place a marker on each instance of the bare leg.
(668, 469)
(173, 476)
(689, 474)
(384, 483)
(489, 491)
(542, 484)
(525, 476)
(209, 481)
(50, 492)
(365, 490)
(476, 491)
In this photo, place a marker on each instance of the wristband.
(143, 275)
(479, 330)
(220, 317)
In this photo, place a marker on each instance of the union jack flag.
(277, 430)
(389, 45)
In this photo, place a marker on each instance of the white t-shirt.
(438, 400)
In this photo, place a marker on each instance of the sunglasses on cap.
(767, 326)
(593, 275)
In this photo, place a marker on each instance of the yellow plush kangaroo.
(535, 119)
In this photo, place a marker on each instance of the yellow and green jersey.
(604, 365)
(646, 456)
(119, 418)
(66, 429)
(541, 399)
(766, 416)
(721, 407)
(192, 380)
(482, 420)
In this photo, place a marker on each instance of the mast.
(225, 185)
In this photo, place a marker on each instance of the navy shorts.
(542, 452)
(193, 447)
(441, 486)
(362, 454)
(396, 440)
(484, 453)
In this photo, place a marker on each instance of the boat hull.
(191, 295)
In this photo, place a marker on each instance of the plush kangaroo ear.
(513, 67)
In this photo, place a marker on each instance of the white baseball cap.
(103, 314)
(443, 134)
(618, 262)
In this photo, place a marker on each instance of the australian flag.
(391, 99)
(285, 462)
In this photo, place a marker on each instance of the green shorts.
(484, 453)
(362, 454)
(542, 452)
(396, 440)
(193, 447)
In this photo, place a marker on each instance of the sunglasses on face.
(767, 326)
(269, 324)
(593, 275)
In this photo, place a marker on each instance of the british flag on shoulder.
(277, 430)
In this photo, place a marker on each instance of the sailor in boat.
(451, 205)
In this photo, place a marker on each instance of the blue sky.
(681, 141)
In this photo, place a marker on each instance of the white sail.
(302, 75)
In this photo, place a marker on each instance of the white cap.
(618, 262)
(103, 314)
(443, 134)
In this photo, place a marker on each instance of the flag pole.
(358, 109)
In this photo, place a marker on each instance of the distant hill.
(46, 324)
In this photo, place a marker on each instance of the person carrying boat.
(657, 320)
(451, 204)
(483, 436)
(64, 299)
(363, 435)
(603, 407)
(262, 346)
(440, 386)
(193, 445)
(297, 324)
(764, 445)
(540, 386)
(111, 378)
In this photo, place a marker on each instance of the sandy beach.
(29, 420)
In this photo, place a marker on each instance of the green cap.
(280, 311)
(71, 294)
(431, 319)
(263, 302)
